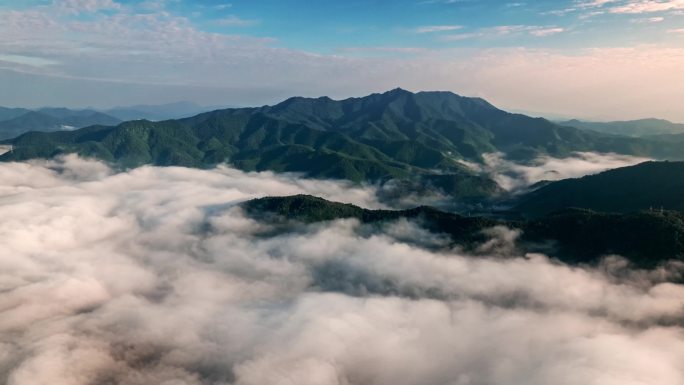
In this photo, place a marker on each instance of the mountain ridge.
(393, 135)
(574, 236)
(645, 186)
(49, 120)
(634, 128)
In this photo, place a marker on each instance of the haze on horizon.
(592, 59)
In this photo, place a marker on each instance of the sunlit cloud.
(647, 6)
(155, 276)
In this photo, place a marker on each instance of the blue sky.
(329, 26)
(586, 58)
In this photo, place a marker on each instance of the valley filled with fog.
(157, 275)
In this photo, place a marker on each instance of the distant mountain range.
(383, 133)
(417, 144)
(634, 128)
(158, 112)
(420, 138)
(17, 121)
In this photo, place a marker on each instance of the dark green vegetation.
(17, 121)
(646, 239)
(395, 135)
(310, 209)
(649, 185)
(635, 128)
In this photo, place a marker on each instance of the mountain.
(79, 118)
(666, 138)
(634, 128)
(11, 113)
(649, 185)
(573, 236)
(157, 112)
(52, 119)
(394, 135)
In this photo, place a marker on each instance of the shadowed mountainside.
(649, 185)
(574, 236)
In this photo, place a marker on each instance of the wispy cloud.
(233, 20)
(384, 50)
(513, 176)
(648, 6)
(80, 6)
(633, 6)
(507, 30)
(546, 31)
(648, 20)
(27, 60)
(437, 28)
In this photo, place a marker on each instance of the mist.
(516, 176)
(156, 276)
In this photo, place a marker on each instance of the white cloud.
(546, 31)
(81, 6)
(506, 30)
(27, 60)
(648, 6)
(634, 6)
(515, 176)
(154, 277)
(233, 20)
(648, 20)
(594, 3)
(437, 28)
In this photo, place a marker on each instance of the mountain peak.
(398, 91)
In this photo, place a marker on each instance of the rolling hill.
(649, 185)
(634, 128)
(50, 119)
(573, 236)
(11, 113)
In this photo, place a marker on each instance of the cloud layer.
(154, 276)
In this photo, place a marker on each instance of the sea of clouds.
(157, 276)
